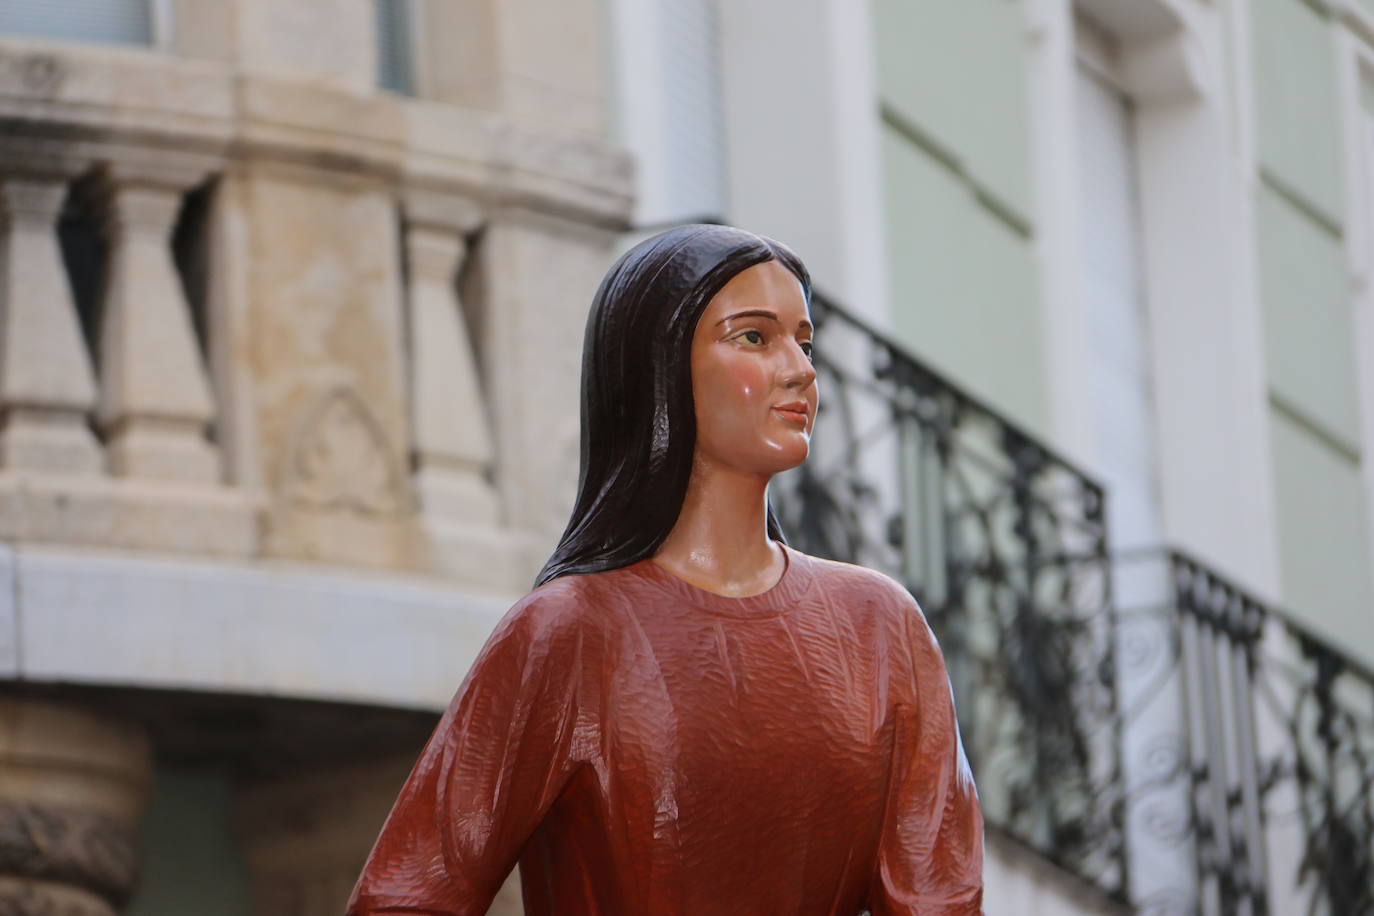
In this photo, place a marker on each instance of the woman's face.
(752, 380)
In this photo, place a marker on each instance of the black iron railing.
(1004, 545)
(1280, 768)
(1200, 738)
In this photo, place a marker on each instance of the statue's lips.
(793, 413)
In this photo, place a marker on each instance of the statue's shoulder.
(878, 598)
(859, 584)
(567, 602)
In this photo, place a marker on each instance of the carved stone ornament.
(36, 898)
(35, 74)
(340, 461)
(82, 849)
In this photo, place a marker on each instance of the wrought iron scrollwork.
(1282, 779)
(1004, 545)
(1231, 750)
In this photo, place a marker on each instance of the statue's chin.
(792, 457)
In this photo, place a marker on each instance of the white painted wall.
(1052, 89)
(1182, 67)
(1112, 283)
(802, 139)
(1155, 355)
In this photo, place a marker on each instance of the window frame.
(413, 46)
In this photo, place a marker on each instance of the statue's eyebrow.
(761, 313)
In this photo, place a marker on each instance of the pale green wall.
(1298, 103)
(957, 69)
(1309, 344)
(190, 864)
(957, 196)
(963, 277)
(1308, 325)
(1324, 542)
(963, 283)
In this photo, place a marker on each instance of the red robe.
(642, 746)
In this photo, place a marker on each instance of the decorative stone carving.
(40, 74)
(155, 400)
(47, 387)
(66, 845)
(21, 897)
(339, 460)
(72, 786)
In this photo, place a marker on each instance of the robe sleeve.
(930, 857)
(496, 762)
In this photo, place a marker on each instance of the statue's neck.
(720, 540)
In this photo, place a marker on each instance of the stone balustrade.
(47, 387)
(309, 385)
(155, 398)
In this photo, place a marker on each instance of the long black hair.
(638, 416)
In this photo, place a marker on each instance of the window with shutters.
(110, 21)
(396, 46)
(694, 144)
(669, 107)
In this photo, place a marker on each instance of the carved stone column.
(47, 387)
(155, 403)
(72, 787)
(452, 450)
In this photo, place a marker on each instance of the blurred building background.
(291, 303)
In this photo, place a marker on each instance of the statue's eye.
(808, 349)
(754, 337)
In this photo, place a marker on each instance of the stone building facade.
(289, 405)
(291, 309)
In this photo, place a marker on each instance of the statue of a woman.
(686, 716)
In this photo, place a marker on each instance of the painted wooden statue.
(687, 716)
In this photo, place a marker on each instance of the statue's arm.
(494, 765)
(930, 862)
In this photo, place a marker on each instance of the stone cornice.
(298, 626)
(95, 104)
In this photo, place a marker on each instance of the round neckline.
(780, 597)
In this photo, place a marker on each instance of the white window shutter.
(689, 36)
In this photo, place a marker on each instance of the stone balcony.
(269, 342)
